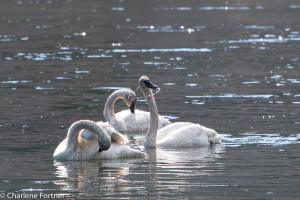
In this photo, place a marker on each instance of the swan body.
(128, 121)
(91, 145)
(178, 134)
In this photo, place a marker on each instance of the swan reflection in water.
(81, 176)
(162, 167)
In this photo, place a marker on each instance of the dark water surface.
(229, 65)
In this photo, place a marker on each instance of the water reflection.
(88, 178)
(163, 170)
(255, 138)
(180, 155)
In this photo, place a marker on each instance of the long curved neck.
(153, 127)
(73, 132)
(109, 112)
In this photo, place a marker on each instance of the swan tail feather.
(217, 139)
(214, 137)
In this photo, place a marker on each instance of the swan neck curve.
(153, 127)
(73, 132)
(109, 112)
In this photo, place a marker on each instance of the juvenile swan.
(97, 146)
(178, 134)
(126, 121)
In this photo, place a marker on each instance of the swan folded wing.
(172, 127)
(188, 135)
(142, 119)
(113, 133)
(139, 121)
(129, 122)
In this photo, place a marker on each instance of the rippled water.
(231, 66)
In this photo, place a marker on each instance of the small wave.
(170, 117)
(156, 63)
(44, 88)
(82, 72)
(259, 96)
(169, 84)
(206, 8)
(251, 82)
(192, 50)
(259, 27)
(220, 75)
(99, 56)
(224, 8)
(16, 82)
(260, 139)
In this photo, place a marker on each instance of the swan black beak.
(132, 107)
(149, 84)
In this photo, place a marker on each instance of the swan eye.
(149, 84)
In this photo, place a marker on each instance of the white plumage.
(92, 139)
(126, 121)
(178, 134)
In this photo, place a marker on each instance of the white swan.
(95, 144)
(126, 121)
(178, 134)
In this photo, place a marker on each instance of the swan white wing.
(90, 135)
(110, 130)
(170, 128)
(143, 119)
(188, 135)
(139, 121)
(113, 133)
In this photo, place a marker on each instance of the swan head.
(130, 100)
(146, 84)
